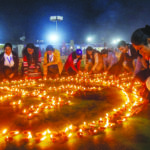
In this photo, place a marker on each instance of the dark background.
(106, 19)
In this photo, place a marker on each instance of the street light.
(115, 41)
(89, 39)
(56, 19)
(54, 38)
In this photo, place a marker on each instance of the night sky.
(106, 19)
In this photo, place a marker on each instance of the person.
(94, 61)
(73, 62)
(8, 63)
(109, 59)
(52, 63)
(141, 41)
(31, 66)
(128, 56)
(141, 64)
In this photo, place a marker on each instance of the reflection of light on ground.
(60, 119)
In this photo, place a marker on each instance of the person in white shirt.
(8, 63)
(94, 61)
(128, 56)
(109, 59)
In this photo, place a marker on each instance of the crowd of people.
(134, 59)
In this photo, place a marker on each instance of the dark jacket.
(16, 63)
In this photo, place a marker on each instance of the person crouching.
(72, 65)
(52, 66)
(31, 62)
(94, 61)
(8, 63)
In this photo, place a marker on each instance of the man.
(8, 63)
(52, 63)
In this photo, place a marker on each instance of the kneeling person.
(94, 61)
(109, 59)
(8, 63)
(52, 63)
(31, 62)
(72, 65)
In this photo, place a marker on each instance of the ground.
(133, 134)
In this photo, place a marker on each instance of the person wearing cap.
(31, 66)
(73, 62)
(94, 60)
(8, 63)
(109, 59)
(52, 62)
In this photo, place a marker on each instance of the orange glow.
(4, 131)
(118, 115)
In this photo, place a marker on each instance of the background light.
(89, 39)
(54, 38)
(115, 41)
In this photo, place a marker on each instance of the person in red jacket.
(72, 65)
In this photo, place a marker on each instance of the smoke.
(121, 18)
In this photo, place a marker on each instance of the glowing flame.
(4, 131)
(70, 135)
(29, 135)
(70, 127)
(80, 130)
(66, 129)
(42, 139)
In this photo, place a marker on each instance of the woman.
(72, 65)
(31, 62)
(128, 56)
(141, 41)
(94, 60)
(109, 59)
(52, 63)
(8, 63)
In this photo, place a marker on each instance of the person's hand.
(45, 65)
(36, 70)
(106, 71)
(91, 72)
(44, 77)
(4, 80)
(79, 72)
(11, 75)
(85, 71)
(26, 77)
(144, 92)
